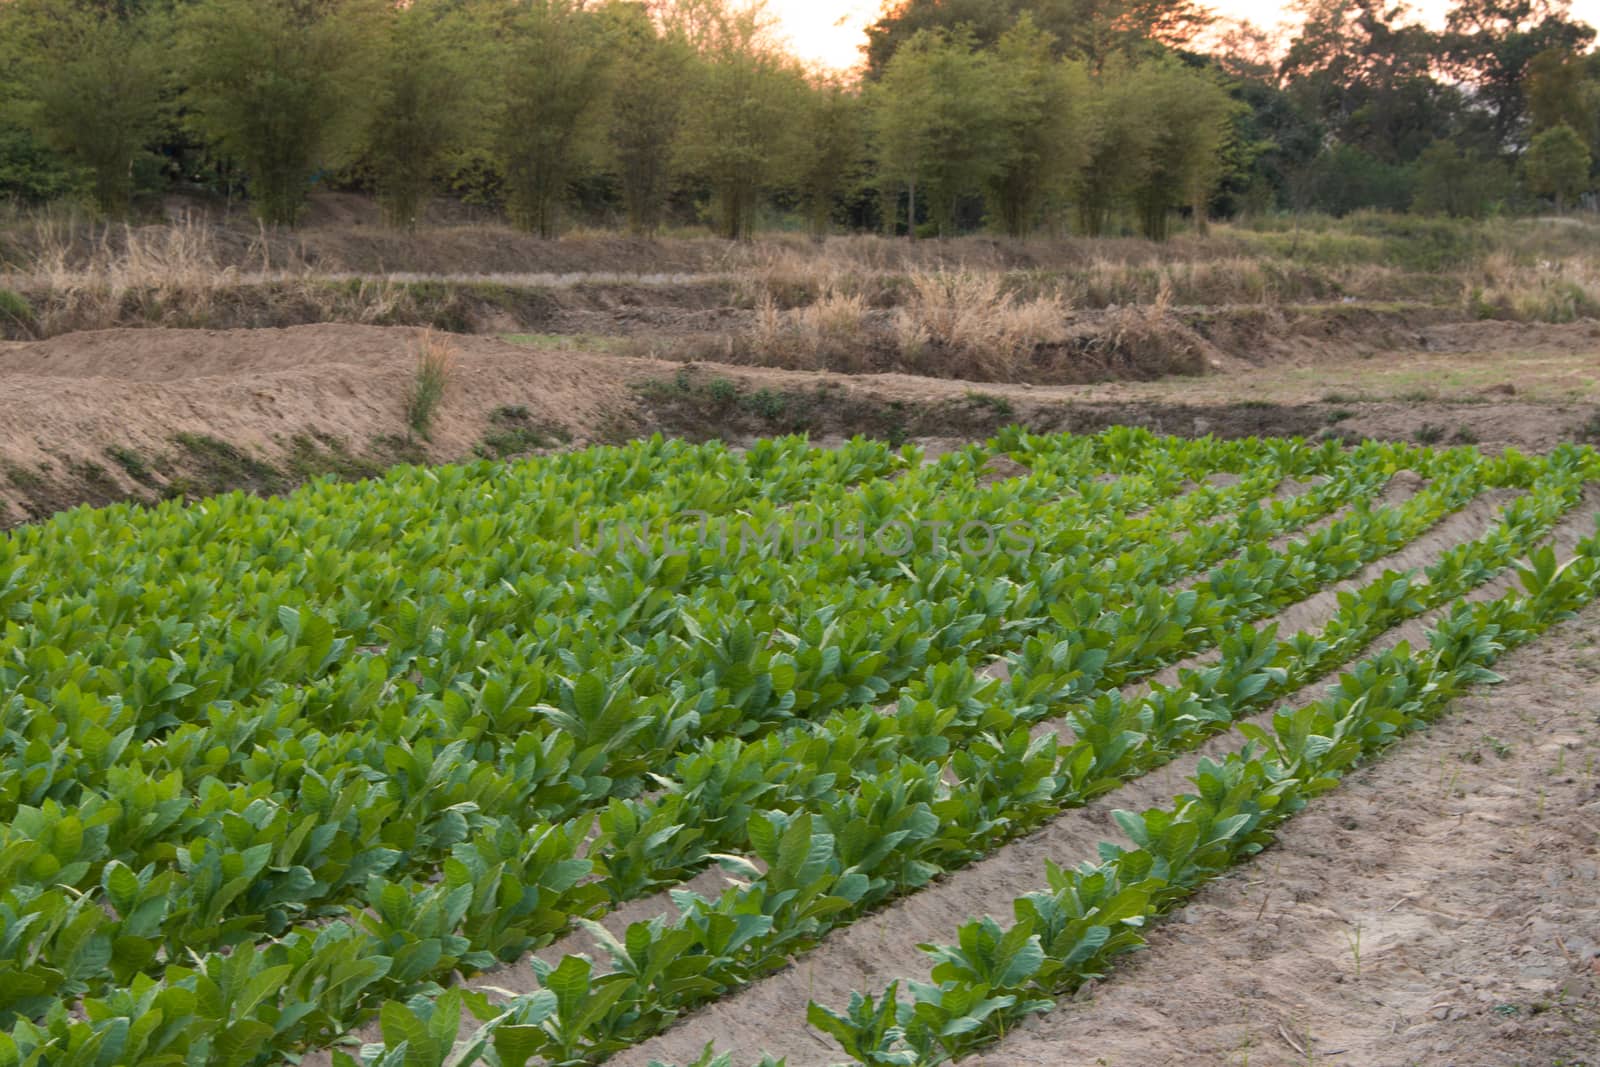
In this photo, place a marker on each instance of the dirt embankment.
(115, 414)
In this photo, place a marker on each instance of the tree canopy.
(1019, 116)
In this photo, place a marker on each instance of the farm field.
(199, 356)
(664, 752)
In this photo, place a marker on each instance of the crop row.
(71, 855)
(1112, 741)
(413, 916)
(43, 782)
(1070, 932)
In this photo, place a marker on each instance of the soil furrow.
(1441, 907)
(519, 976)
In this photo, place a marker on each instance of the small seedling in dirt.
(94, 476)
(767, 404)
(1430, 433)
(722, 392)
(1464, 436)
(1501, 748)
(131, 462)
(997, 404)
(15, 310)
(1353, 939)
(1338, 415)
(22, 478)
(435, 362)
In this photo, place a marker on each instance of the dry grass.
(1506, 286)
(435, 365)
(967, 322)
(962, 324)
(1146, 341)
(97, 277)
(826, 332)
(978, 307)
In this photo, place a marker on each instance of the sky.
(829, 33)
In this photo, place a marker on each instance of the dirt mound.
(1494, 335)
(144, 413)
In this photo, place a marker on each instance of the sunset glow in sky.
(829, 33)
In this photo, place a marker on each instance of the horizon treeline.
(1016, 116)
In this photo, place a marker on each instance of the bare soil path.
(1441, 907)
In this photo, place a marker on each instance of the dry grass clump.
(960, 324)
(189, 273)
(1543, 290)
(967, 324)
(435, 365)
(834, 331)
(1145, 341)
(97, 277)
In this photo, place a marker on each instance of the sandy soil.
(1441, 907)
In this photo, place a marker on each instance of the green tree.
(1090, 30)
(90, 85)
(552, 116)
(1368, 78)
(1561, 91)
(937, 123)
(649, 72)
(1346, 178)
(738, 127)
(1042, 143)
(1120, 137)
(1489, 44)
(1557, 165)
(29, 171)
(1191, 118)
(280, 86)
(1456, 182)
(426, 106)
(830, 148)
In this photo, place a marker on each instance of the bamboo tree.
(551, 120)
(90, 84)
(1189, 116)
(646, 93)
(938, 122)
(739, 124)
(427, 104)
(283, 87)
(1044, 142)
(830, 148)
